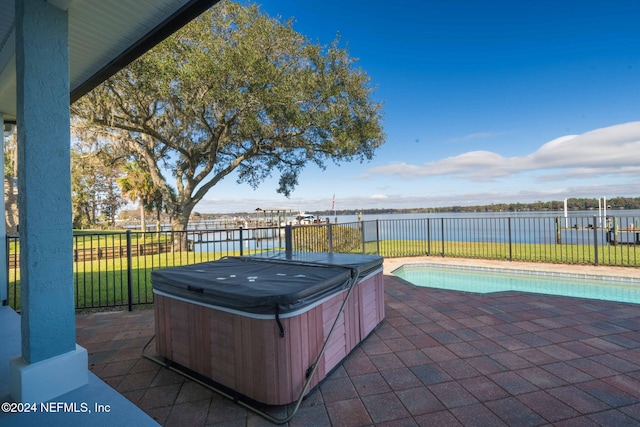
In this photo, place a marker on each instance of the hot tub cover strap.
(280, 327)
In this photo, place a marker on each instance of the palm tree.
(137, 186)
(157, 204)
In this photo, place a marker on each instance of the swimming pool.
(487, 280)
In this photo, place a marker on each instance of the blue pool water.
(486, 280)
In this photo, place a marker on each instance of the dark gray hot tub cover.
(253, 285)
(366, 264)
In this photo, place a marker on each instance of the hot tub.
(257, 324)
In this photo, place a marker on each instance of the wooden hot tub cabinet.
(245, 351)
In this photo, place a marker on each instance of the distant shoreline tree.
(235, 91)
(94, 189)
(573, 204)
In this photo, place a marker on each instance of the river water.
(531, 214)
(579, 227)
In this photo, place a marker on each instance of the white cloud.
(588, 173)
(613, 150)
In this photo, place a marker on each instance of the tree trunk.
(179, 224)
(143, 223)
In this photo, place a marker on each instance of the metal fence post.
(240, 239)
(129, 272)
(6, 261)
(442, 235)
(288, 239)
(510, 241)
(377, 236)
(428, 237)
(330, 236)
(595, 239)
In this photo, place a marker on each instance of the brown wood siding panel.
(336, 348)
(380, 289)
(262, 388)
(352, 321)
(203, 338)
(191, 334)
(162, 310)
(271, 336)
(222, 345)
(315, 342)
(305, 336)
(371, 312)
(337, 344)
(330, 310)
(246, 373)
(296, 374)
(179, 322)
(283, 361)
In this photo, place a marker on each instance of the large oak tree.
(234, 91)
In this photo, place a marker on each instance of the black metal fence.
(113, 269)
(573, 240)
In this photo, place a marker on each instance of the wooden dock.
(633, 236)
(613, 231)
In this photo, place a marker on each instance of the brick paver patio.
(440, 358)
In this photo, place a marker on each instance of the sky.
(483, 102)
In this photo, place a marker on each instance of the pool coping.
(584, 276)
(391, 264)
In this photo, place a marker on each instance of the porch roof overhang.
(104, 36)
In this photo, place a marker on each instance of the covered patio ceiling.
(104, 36)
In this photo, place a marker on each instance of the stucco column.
(3, 233)
(51, 363)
